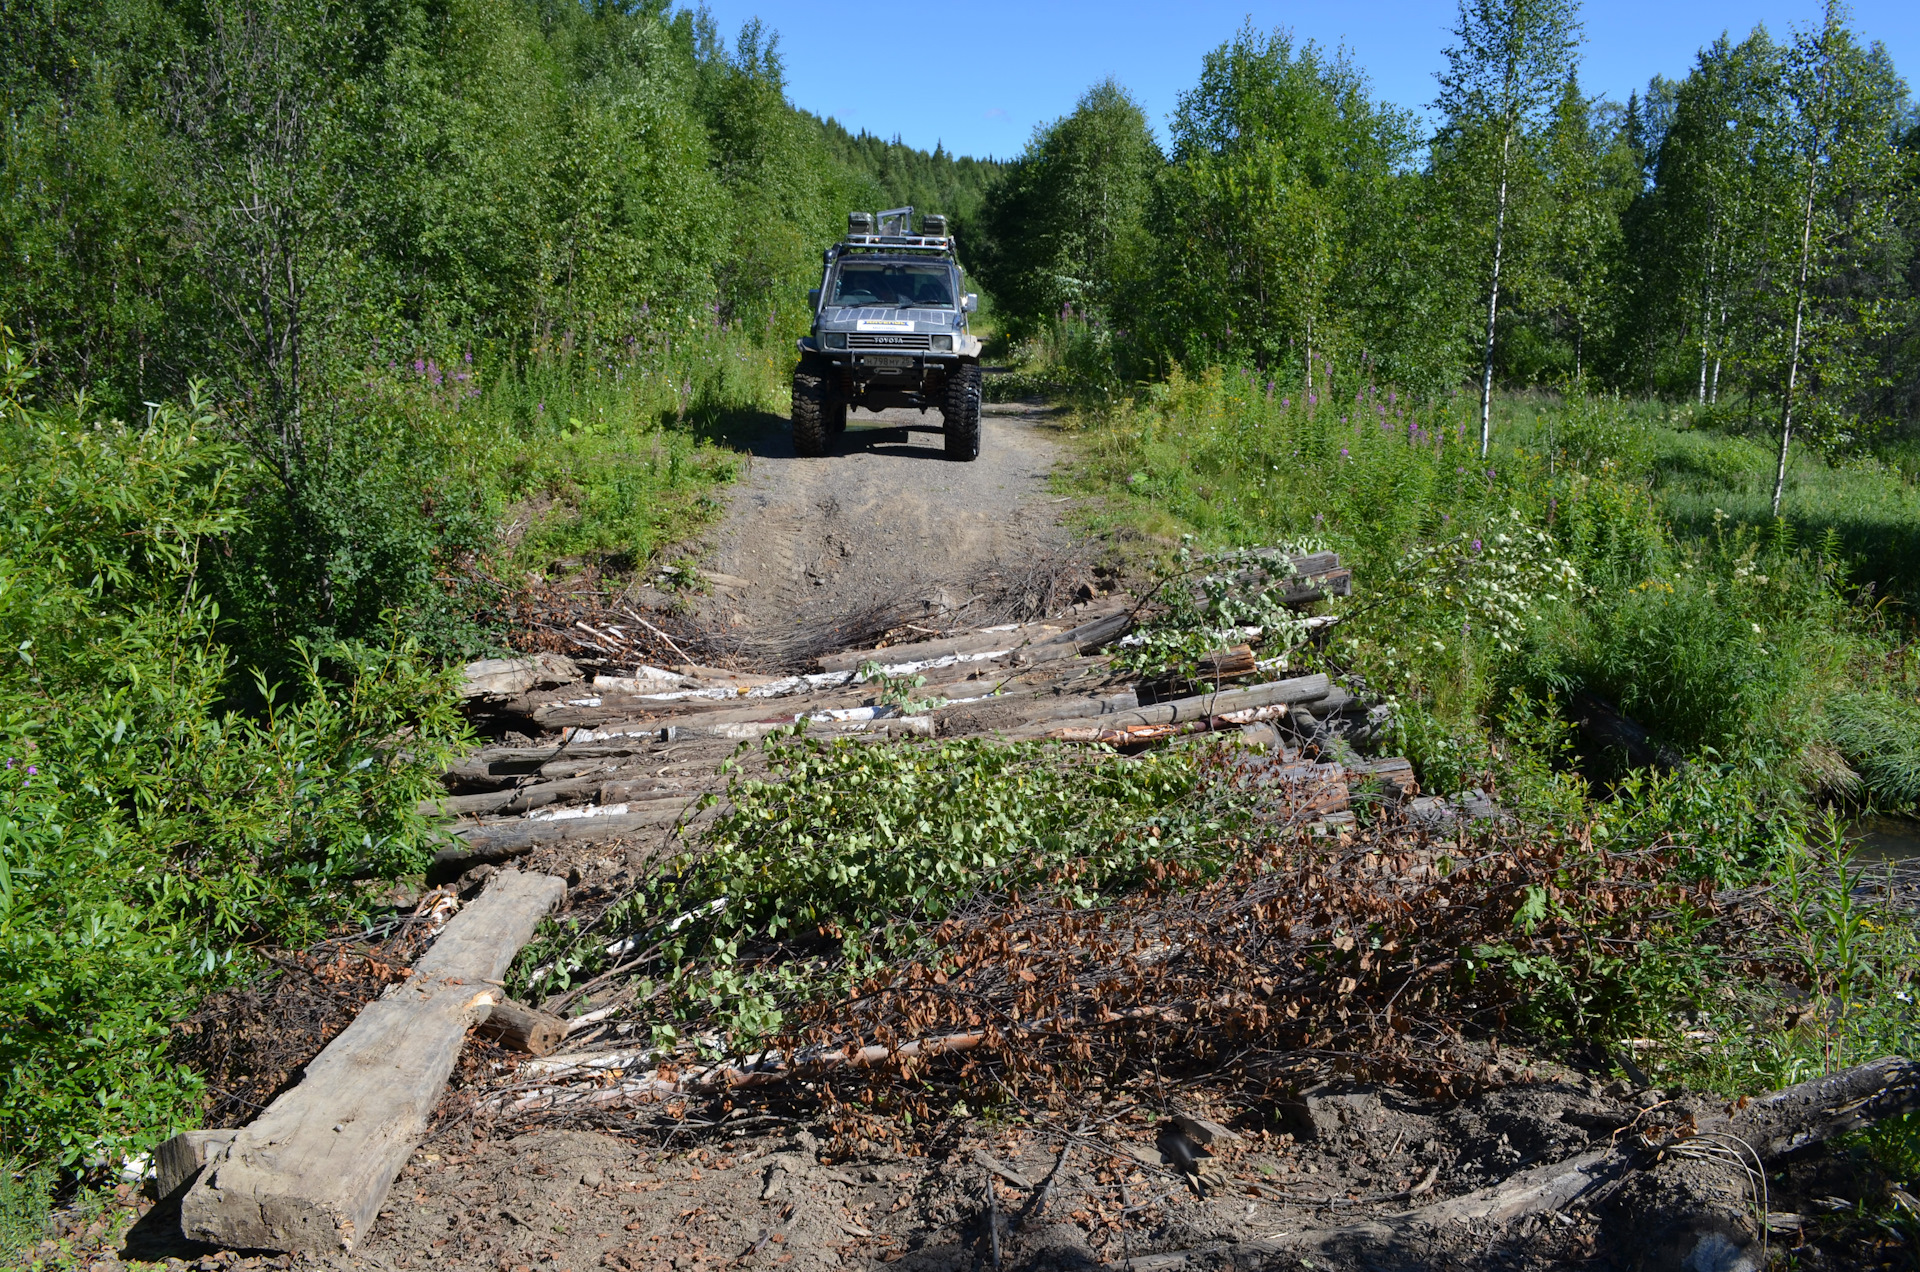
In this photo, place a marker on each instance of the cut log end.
(522, 1028)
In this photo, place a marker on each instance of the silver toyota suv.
(890, 329)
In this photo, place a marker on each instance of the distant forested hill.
(932, 182)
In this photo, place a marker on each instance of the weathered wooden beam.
(310, 1174)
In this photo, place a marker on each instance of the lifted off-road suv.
(889, 329)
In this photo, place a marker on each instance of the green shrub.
(148, 832)
(848, 851)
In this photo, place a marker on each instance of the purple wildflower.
(1343, 452)
(1476, 545)
(419, 367)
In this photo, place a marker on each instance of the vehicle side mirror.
(972, 302)
(813, 297)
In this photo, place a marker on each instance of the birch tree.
(1838, 137)
(1503, 76)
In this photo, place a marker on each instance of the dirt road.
(884, 522)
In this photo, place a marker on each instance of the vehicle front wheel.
(809, 413)
(961, 413)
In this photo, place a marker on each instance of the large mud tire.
(809, 413)
(962, 413)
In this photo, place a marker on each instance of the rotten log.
(511, 677)
(521, 1028)
(309, 1175)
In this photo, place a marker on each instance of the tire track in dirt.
(884, 519)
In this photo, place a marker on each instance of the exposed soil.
(885, 522)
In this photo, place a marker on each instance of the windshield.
(893, 283)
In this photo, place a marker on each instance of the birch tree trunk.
(1493, 299)
(1799, 318)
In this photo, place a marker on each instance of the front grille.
(888, 341)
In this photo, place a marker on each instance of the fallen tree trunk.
(1298, 691)
(498, 842)
(310, 1174)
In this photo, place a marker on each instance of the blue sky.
(978, 75)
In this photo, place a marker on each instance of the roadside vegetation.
(326, 329)
(1604, 404)
(1549, 381)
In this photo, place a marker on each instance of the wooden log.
(511, 677)
(1090, 632)
(521, 1028)
(1298, 690)
(920, 651)
(1237, 661)
(310, 1174)
(1306, 590)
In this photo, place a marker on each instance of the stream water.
(1885, 839)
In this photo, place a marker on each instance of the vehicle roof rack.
(895, 234)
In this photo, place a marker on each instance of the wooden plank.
(310, 1174)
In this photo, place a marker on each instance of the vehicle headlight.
(944, 343)
(835, 339)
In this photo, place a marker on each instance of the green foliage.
(1754, 219)
(1060, 220)
(1208, 603)
(848, 850)
(148, 833)
(1729, 642)
(1284, 172)
(403, 249)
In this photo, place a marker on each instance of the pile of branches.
(1383, 957)
(592, 624)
